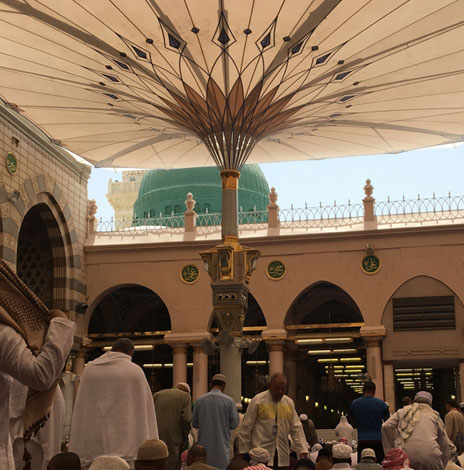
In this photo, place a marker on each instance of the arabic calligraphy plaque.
(275, 270)
(190, 274)
(370, 264)
(11, 163)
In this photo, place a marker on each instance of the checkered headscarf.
(23, 311)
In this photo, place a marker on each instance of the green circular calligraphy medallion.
(370, 264)
(275, 270)
(11, 163)
(190, 274)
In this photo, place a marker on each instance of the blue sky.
(424, 172)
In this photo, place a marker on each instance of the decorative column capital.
(275, 345)
(179, 348)
(373, 342)
(197, 349)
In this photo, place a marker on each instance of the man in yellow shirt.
(269, 420)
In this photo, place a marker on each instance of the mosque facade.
(340, 294)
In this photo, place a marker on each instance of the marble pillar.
(460, 384)
(179, 363)
(231, 367)
(389, 386)
(290, 370)
(276, 357)
(200, 372)
(374, 364)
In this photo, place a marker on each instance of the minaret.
(122, 196)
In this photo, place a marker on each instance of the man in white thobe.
(269, 420)
(114, 411)
(47, 442)
(420, 432)
(37, 372)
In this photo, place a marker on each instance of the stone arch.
(42, 193)
(122, 298)
(318, 300)
(401, 283)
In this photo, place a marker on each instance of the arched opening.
(138, 313)
(329, 354)
(254, 352)
(424, 318)
(41, 260)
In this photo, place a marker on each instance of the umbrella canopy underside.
(185, 83)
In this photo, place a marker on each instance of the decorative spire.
(368, 188)
(190, 202)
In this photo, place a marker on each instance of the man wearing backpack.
(454, 424)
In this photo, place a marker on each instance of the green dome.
(164, 191)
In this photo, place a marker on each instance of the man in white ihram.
(36, 371)
(114, 409)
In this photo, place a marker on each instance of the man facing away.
(367, 413)
(215, 414)
(174, 414)
(454, 425)
(152, 455)
(114, 409)
(39, 372)
(196, 459)
(269, 420)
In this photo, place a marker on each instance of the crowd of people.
(118, 424)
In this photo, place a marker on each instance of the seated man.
(196, 459)
(64, 461)
(152, 455)
(368, 461)
(104, 462)
(305, 464)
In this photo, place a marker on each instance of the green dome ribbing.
(164, 191)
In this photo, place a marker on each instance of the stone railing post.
(189, 214)
(91, 219)
(273, 209)
(370, 220)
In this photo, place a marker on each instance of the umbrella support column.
(231, 367)
(230, 266)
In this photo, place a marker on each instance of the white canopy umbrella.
(181, 83)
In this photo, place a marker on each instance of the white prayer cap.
(109, 462)
(426, 395)
(341, 451)
(368, 453)
(303, 417)
(220, 377)
(316, 448)
(258, 454)
(183, 385)
(152, 449)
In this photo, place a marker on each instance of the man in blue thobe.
(215, 414)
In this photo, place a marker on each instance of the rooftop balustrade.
(365, 215)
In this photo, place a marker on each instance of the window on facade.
(152, 213)
(168, 210)
(424, 313)
(177, 209)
